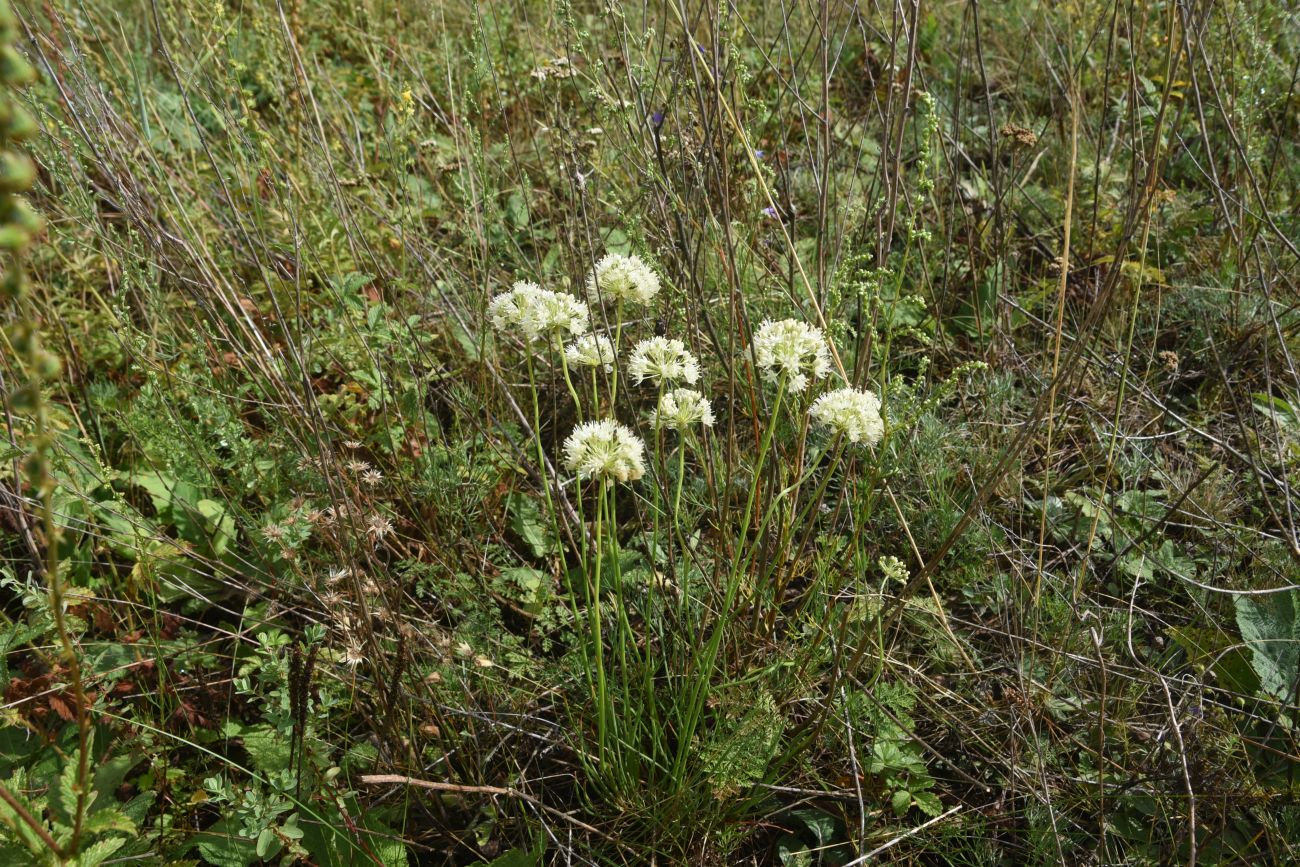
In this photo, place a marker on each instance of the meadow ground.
(561, 432)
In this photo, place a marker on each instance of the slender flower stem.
(573, 392)
(594, 621)
(537, 432)
(618, 343)
(707, 661)
(681, 477)
(681, 576)
(803, 520)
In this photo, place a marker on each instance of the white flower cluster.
(792, 349)
(681, 408)
(622, 278)
(605, 450)
(591, 350)
(852, 412)
(662, 360)
(788, 351)
(538, 314)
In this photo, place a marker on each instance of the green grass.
(293, 569)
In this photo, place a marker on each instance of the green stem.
(594, 621)
(804, 519)
(573, 392)
(618, 342)
(703, 671)
(537, 442)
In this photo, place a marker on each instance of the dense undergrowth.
(296, 566)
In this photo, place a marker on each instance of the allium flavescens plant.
(680, 409)
(791, 352)
(591, 350)
(605, 450)
(851, 412)
(663, 360)
(538, 315)
(651, 687)
(623, 279)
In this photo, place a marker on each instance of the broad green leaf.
(1270, 626)
(109, 819)
(290, 828)
(267, 748)
(265, 841)
(221, 845)
(514, 858)
(63, 795)
(1214, 648)
(530, 584)
(111, 772)
(159, 487)
(527, 522)
(96, 853)
(819, 824)
(220, 526)
(928, 803)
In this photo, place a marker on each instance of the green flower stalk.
(19, 225)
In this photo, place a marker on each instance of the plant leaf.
(1270, 627)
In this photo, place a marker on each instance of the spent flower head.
(662, 360)
(538, 314)
(680, 408)
(855, 413)
(605, 450)
(591, 350)
(792, 349)
(894, 569)
(623, 278)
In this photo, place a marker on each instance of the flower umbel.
(605, 450)
(852, 412)
(623, 278)
(538, 313)
(591, 350)
(681, 408)
(661, 360)
(509, 308)
(793, 349)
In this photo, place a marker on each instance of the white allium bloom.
(509, 308)
(791, 348)
(852, 412)
(662, 359)
(622, 278)
(560, 312)
(681, 408)
(536, 313)
(605, 450)
(591, 350)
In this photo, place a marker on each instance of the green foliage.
(310, 519)
(738, 750)
(108, 827)
(1270, 626)
(897, 761)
